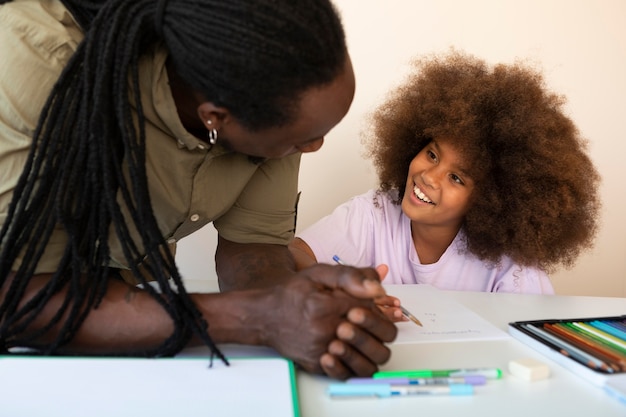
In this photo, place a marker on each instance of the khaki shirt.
(190, 186)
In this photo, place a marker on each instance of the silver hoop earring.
(212, 136)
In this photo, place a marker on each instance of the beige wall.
(581, 47)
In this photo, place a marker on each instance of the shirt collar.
(165, 107)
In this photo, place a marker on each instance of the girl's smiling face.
(438, 189)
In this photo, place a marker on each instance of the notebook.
(443, 319)
(120, 387)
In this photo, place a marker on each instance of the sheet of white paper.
(125, 387)
(443, 319)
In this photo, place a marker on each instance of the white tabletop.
(562, 394)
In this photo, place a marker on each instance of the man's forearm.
(129, 319)
(252, 265)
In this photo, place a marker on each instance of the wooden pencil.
(611, 359)
(572, 351)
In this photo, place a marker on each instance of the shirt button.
(201, 147)
(171, 241)
(194, 218)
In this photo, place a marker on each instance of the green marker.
(489, 373)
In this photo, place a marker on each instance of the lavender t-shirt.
(366, 235)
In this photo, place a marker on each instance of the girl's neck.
(431, 242)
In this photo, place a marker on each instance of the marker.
(406, 313)
(469, 380)
(489, 373)
(390, 390)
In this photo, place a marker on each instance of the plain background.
(579, 45)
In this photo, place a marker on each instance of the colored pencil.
(609, 328)
(562, 351)
(611, 358)
(618, 349)
(605, 336)
(572, 351)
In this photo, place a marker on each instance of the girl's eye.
(457, 179)
(431, 155)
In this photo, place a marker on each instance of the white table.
(563, 394)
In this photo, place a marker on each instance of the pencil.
(572, 351)
(562, 351)
(612, 340)
(410, 316)
(619, 328)
(617, 349)
(406, 313)
(612, 359)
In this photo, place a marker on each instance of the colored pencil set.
(597, 343)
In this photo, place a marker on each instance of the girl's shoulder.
(383, 198)
(382, 203)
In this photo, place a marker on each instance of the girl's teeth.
(419, 194)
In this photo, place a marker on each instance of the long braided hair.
(252, 57)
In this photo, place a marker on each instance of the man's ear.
(212, 116)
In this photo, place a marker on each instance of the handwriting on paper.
(442, 317)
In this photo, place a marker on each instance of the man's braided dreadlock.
(252, 57)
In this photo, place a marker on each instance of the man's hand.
(325, 319)
(304, 258)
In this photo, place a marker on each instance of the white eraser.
(529, 369)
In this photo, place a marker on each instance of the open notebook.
(67, 387)
(443, 319)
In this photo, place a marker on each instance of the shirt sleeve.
(528, 280)
(36, 41)
(347, 232)
(265, 211)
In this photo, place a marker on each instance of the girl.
(485, 184)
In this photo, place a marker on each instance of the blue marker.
(389, 390)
